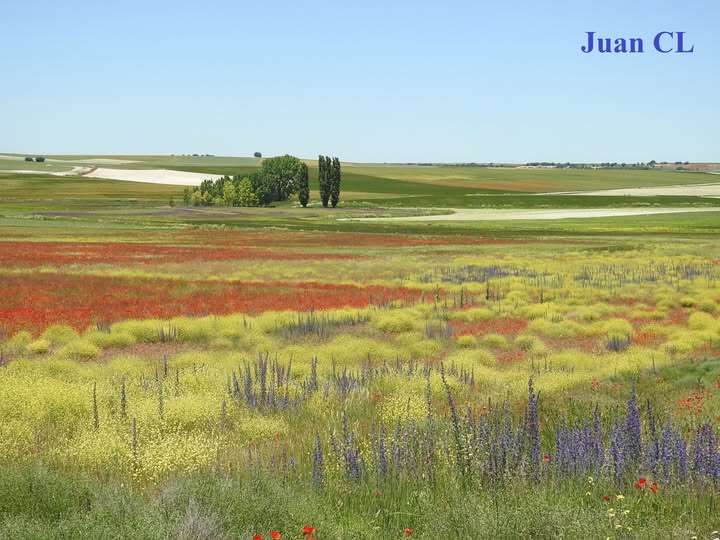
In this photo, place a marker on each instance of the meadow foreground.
(228, 384)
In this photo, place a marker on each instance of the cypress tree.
(324, 178)
(304, 192)
(335, 182)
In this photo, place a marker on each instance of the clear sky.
(390, 81)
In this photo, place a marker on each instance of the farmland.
(228, 372)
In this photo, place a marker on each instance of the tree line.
(278, 179)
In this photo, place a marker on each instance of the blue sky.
(367, 81)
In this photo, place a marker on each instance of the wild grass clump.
(59, 334)
(470, 315)
(559, 330)
(531, 344)
(16, 344)
(495, 341)
(106, 340)
(471, 359)
(79, 349)
(142, 331)
(702, 321)
(467, 341)
(39, 346)
(394, 322)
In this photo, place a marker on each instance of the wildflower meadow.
(348, 385)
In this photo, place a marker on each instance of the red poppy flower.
(408, 531)
(257, 537)
(606, 497)
(275, 535)
(654, 487)
(307, 529)
(546, 459)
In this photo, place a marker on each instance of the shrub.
(708, 306)
(701, 321)
(472, 358)
(467, 342)
(17, 343)
(617, 329)
(59, 334)
(495, 341)
(105, 340)
(79, 350)
(142, 331)
(531, 344)
(394, 322)
(471, 315)
(39, 346)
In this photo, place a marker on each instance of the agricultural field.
(171, 372)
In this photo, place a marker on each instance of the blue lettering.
(680, 43)
(656, 42)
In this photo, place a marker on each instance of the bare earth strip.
(153, 176)
(481, 214)
(694, 190)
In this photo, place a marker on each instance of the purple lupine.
(532, 425)
(313, 382)
(248, 386)
(318, 463)
(460, 452)
(652, 454)
(598, 440)
(352, 464)
(506, 445)
(382, 460)
(704, 453)
(667, 447)
(261, 375)
(632, 447)
(429, 438)
(681, 457)
(616, 452)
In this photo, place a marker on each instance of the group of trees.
(278, 179)
(329, 176)
(225, 191)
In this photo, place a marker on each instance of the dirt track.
(153, 176)
(481, 214)
(690, 190)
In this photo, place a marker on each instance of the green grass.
(61, 189)
(39, 503)
(535, 180)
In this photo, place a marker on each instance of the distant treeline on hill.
(470, 164)
(604, 165)
(549, 165)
